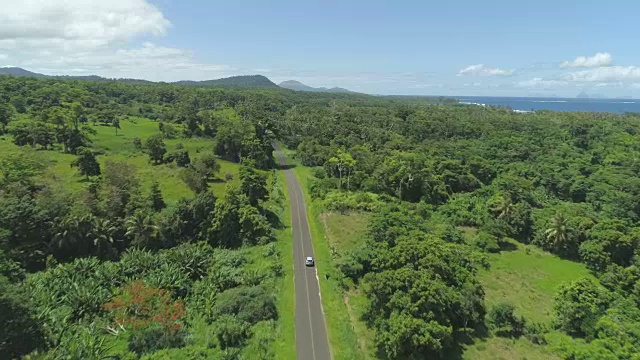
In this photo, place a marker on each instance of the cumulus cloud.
(597, 60)
(605, 74)
(426, 86)
(77, 23)
(81, 37)
(540, 83)
(484, 70)
(148, 61)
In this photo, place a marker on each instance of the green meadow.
(120, 147)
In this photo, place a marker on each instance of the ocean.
(618, 106)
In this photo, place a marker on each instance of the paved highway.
(312, 342)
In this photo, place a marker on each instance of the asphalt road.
(312, 342)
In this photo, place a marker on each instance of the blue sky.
(501, 48)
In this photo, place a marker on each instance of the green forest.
(151, 221)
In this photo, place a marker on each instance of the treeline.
(566, 182)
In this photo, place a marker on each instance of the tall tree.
(253, 184)
(156, 202)
(343, 162)
(6, 114)
(116, 124)
(86, 163)
(156, 148)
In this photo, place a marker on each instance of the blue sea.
(618, 106)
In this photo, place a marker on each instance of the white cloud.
(605, 74)
(82, 37)
(77, 23)
(597, 60)
(148, 61)
(422, 86)
(4, 56)
(484, 70)
(540, 83)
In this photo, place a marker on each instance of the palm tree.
(504, 207)
(102, 237)
(65, 235)
(140, 229)
(558, 232)
(71, 235)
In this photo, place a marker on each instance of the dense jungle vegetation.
(148, 221)
(446, 189)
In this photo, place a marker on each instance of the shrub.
(319, 172)
(579, 305)
(249, 304)
(504, 322)
(20, 332)
(231, 331)
(140, 306)
(182, 158)
(318, 188)
(535, 333)
(486, 242)
(154, 338)
(80, 342)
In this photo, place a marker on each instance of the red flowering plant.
(139, 307)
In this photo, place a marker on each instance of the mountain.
(582, 95)
(297, 85)
(16, 71)
(239, 81)
(234, 81)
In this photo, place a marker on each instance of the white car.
(309, 261)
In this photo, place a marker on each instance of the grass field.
(120, 147)
(528, 278)
(342, 336)
(344, 232)
(496, 348)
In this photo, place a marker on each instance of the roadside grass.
(496, 348)
(285, 344)
(342, 335)
(60, 174)
(344, 232)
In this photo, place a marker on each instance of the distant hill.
(297, 85)
(234, 81)
(16, 71)
(241, 81)
(582, 95)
